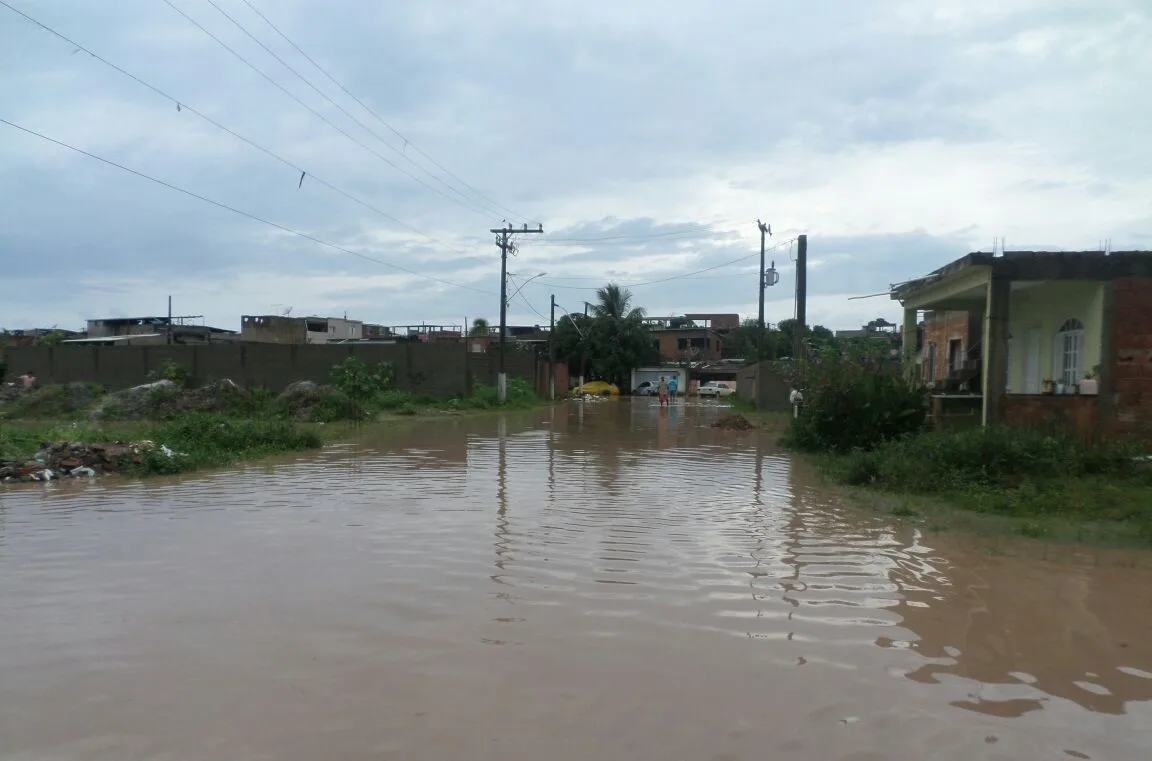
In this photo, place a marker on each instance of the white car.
(717, 389)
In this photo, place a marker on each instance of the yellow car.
(596, 388)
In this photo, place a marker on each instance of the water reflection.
(490, 588)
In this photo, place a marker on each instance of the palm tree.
(613, 303)
(619, 339)
(479, 328)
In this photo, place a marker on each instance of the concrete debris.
(734, 423)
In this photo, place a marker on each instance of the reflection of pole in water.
(503, 551)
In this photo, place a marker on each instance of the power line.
(321, 116)
(524, 299)
(666, 279)
(236, 211)
(183, 106)
(342, 110)
(379, 118)
(653, 236)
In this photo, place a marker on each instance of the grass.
(201, 440)
(1025, 482)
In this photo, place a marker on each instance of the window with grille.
(1069, 352)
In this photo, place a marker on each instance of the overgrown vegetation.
(868, 426)
(852, 401)
(357, 393)
(1042, 481)
(200, 440)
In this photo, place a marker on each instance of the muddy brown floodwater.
(606, 581)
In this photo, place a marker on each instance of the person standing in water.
(662, 390)
(673, 385)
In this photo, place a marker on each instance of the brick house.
(692, 337)
(950, 355)
(1045, 323)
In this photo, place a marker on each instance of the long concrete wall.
(439, 370)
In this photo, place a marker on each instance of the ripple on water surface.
(492, 588)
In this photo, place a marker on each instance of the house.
(282, 329)
(1046, 322)
(950, 355)
(150, 331)
(691, 337)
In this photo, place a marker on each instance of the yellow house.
(1066, 336)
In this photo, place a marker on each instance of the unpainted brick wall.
(942, 327)
(1131, 365)
(440, 370)
(1080, 414)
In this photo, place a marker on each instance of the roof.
(111, 339)
(1037, 266)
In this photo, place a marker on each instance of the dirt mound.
(164, 399)
(47, 402)
(734, 423)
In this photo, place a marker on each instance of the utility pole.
(505, 243)
(764, 230)
(800, 329)
(169, 339)
(552, 351)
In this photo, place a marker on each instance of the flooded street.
(603, 581)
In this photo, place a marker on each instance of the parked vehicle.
(596, 388)
(717, 389)
(647, 388)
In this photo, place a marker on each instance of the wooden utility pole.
(504, 241)
(800, 329)
(552, 350)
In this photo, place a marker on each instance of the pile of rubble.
(72, 459)
(734, 423)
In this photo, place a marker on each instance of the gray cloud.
(662, 129)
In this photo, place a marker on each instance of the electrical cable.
(326, 120)
(379, 118)
(183, 106)
(340, 108)
(238, 212)
(667, 279)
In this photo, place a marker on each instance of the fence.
(438, 370)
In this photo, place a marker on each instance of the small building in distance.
(146, 331)
(281, 329)
(691, 337)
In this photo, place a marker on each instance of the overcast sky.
(898, 135)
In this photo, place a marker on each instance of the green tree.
(620, 341)
(479, 328)
(611, 341)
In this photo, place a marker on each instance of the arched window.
(1068, 354)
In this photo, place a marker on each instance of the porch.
(1042, 332)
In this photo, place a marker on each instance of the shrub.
(853, 401)
(169, 370)
(204, 440)
(394, 399)
(358, 381)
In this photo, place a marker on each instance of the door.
(1032, 361)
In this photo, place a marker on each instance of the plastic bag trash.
(44, 475)
(167, 452)
(77, 472)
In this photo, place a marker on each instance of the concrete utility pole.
(764, 230)
(552, 350)
(505, 243)
(801, 298)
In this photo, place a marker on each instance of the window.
(700, 343)
(956, 354)
(681, 343)
(931, 364)
(1069, 352)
